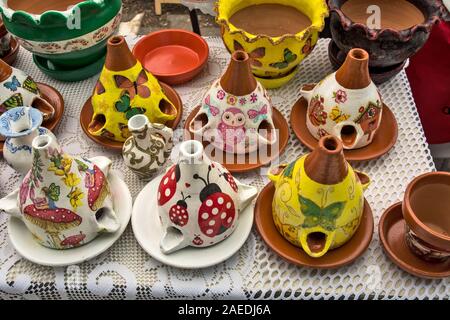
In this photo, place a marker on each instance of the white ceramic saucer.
(148, 231)
(23, 242)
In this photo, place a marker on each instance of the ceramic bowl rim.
(437, 239)
(433, 16)
(190, 34)
(36, 121)
(302, 35)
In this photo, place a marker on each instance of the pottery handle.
(172, 241)
(108, 222)
(306, 90)
(166, 133)
(363, 178)
(274, 173)
(10, 204)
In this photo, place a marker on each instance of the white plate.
(148, 231)
(23, 242)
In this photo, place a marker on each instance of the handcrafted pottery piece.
(68, 34)
(123, 90)
(238, 163)
(20, 126)
(277, 34)
(23, 241)
(346, 103)
(392, 231)
(338, 257)
(5, 40)
(236, 112)
(11, 56)
(148, 147)
(173, 56)
(199, 201)
(87, 113)
(425, 210)
(318, 202)
(402, 29)
(19, 89)
(383, 141)
(64, 201)
(148, 230)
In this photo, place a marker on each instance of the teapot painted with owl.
(346, 104)
(148, 147)
(64, 201)
(236, 113)
(318, 201)
(199, 201)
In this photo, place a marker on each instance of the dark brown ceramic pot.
(426, 212)
(404, 28)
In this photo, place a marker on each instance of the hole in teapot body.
(348, 135)
(199, 122)
(97, 123)
(166, 108)
(266, 130)
(316, 241)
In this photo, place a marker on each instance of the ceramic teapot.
(346, 103)
(64, 201)
(318, 201)
(149, 146)
(236, 112)
(19, 89)
(123, 90)
(199, 200)
(20, 126)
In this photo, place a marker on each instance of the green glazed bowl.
(70, 39)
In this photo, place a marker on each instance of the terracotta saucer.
(87, 113)
(339, 257)
(173, 56)
(56, 100)
(11, 57)
(280, 124)
(391, 229)
(378, 74)
(383, 141)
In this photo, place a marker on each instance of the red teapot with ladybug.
(199, 200)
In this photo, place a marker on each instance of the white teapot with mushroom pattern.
(199, 201)
(64, 201)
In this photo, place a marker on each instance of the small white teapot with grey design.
(148, 147)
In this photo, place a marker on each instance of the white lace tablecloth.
(126, 271)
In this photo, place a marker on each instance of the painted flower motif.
(242, 101)
(71, 180)
(317, 115)
(75, 196)
(253, 98)
(220, 94)
(24, 190)
(340, 96)
(60, 166)
(231, 100)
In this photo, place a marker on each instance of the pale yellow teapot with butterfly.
(318, 201)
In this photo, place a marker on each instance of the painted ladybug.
(217, 212)
(197, 240)
(178, 213)
(230, 180)
(168, 185)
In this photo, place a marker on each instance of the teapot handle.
(165, 132)
(307, 89)
(363, 178)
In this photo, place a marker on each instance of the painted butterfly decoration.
(288, 58)
(30, 85)
(317, 216)
(134, 88)
(211, 109)
(256, 115)
(16, 100)
(123, 105)
(12, 85)
(254, 55)
(337, 115)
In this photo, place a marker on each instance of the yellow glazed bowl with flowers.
(275, 60)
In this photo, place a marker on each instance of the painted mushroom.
(73, 241)
(97, 188)
(52, 220)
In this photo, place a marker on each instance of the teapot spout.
(246, 194)
(10, 205)
(307, 90)
(316, 243)
(172, 240)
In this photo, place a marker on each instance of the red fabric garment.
(429, 76)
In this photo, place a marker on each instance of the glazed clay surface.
(149, 146)
(236, 112)
(318, 201)
(199, 200)
(346, 103)
(64, 201)
(123, 90)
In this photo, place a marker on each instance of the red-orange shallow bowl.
(173, 56)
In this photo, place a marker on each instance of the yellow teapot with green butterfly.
(318, 200)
